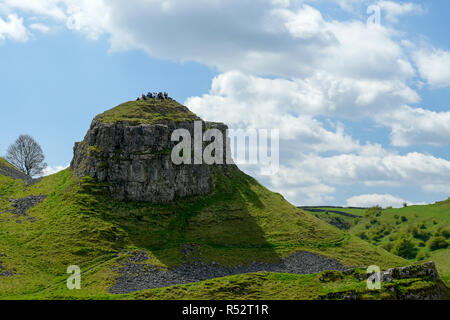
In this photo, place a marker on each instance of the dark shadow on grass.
(220, 220)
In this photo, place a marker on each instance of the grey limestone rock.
(134, 160)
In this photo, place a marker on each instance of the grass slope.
(5, 163)
(331, 215)
(78, 225)
(328, 285)
(354, 211)
(149, 111)
(424, 230)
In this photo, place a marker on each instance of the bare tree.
(26, 155)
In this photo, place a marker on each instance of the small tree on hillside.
(437, 243)
(405, 248)
(26, 155)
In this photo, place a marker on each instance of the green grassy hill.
(3, 162)
(77, 224)
(353, 211)
(62, 220)
(149, 111)
(416, 232)
(8, 170)
(342, 218)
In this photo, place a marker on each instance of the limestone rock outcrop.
(129, 149)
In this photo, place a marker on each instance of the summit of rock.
(150, 111)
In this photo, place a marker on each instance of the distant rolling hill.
(426, 227)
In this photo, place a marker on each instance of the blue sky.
(363, 110)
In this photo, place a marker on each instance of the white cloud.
(305, 23)
(293, 106)
(271, 104)
(434, 66)
(293, 100)
(266, 37)
(372, 166)
(46, 8)
(343, 48)
(382, 200)
(308, 195)
(412, 126)
(393, 10)
(382, 169)
(13, 29)
(89, 17)
(40, 27)
(52, 170)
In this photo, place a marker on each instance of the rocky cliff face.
(129, 148)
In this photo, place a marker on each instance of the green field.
(417, 233)
(420, 225)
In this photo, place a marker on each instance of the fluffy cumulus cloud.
(371, 166)
(315, 194)
(372, 169)
(382, 200)
(323, 94)
(12, 28)
(417, 126)
(44, 8)
(261, 37)
(284, 64)
(257, 37)
(395, 9)
(433, 65)
(85, 16)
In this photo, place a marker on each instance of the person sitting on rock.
(149, 95)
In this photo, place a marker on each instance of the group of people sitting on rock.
(154, 95)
